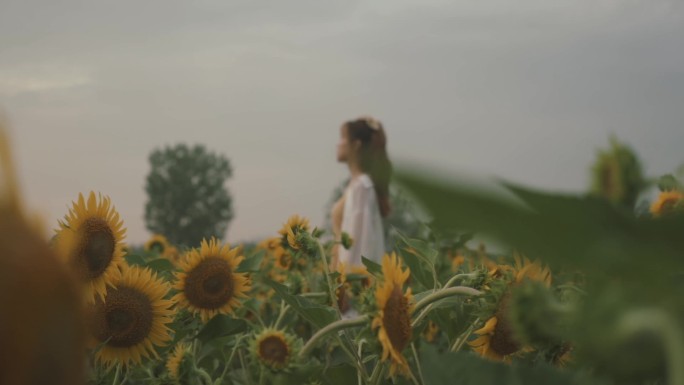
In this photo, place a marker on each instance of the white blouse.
(362, 221)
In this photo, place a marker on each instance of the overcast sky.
(526, 90)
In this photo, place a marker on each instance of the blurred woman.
(365, 202)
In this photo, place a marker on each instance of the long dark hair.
(374, 159)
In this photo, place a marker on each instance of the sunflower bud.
(347, 241)
(317, 233)
(617, 175)
(536, 317)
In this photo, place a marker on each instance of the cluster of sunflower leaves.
(590, 294)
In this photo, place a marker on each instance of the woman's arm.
(358, 222)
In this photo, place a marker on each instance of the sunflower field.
(586, 291)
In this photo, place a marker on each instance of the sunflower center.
(97, 248)
(396, 319)
(668, 205)
(157, 247)
(285, 260)
(502, 341)
(274, 349)
(210, 284)
(124, 318)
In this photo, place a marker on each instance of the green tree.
(187, 196)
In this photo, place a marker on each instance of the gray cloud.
(526, 90)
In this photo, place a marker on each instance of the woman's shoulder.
(363, 181)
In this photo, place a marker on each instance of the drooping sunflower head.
(90, 239)
(174, 361)
(431, 331)
(342, 291)
(456, 262)
(667, 203)
(534, 271)
(157, 244)
(131, 319)
(494, 341)
(274, 348)
(562, 357)
(282, 258)
(393, 319)
(294, 225)
(209, 283)
(617, 175)
(269, 244)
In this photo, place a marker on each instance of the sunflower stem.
(661, 324)
(359, 377)
(415, 357)
(261, 375)
(445, 293)
(413, 378)
(463, 337)
(204, 376)
(258, 317)
(331, 328)
(283, 311)
(117, 374)
(333, 299)
(248, 378)
(326, 268)
(232, 355)
(456, 277)
(378, 373)
(451, 282)
(314, 294)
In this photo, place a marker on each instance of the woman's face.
(343, 146)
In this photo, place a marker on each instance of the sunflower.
(282, 258)
(273, 348)
(208, 283)
(157, 244)
(456, 262)
(367, 280)
(90, 241)
(431, 331)
(173, 363)
(294, 225)
(172, 254)
(563, 356)
(269, 244)
(131, 319)
(667, 202)
(342, 292)
(394, 316)
(495, 341)
(535, 271)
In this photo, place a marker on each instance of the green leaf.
(135, 259)
(252, 263)
(465, 368)
(372, 267)
(565, 231)
(419, 271)
(419, 248)
(160, 265)
(317, 315)
(221, 326)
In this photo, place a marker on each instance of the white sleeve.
(362, 222)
